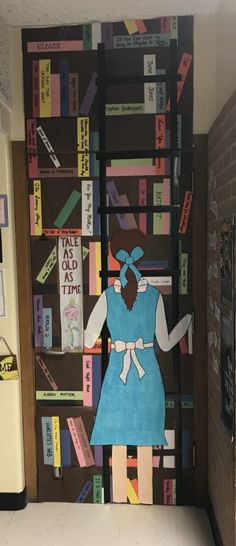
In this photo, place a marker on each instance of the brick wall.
(221, 205)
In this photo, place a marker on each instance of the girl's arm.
(168, 341)
(95, 322)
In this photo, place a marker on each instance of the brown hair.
(128, 240)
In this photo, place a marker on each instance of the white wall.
(204, 92)
(11, 451)
(12, 478)
(225, 50)
(5, 89)
(16, 74)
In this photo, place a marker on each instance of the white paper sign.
(71, 293)
(87, 208)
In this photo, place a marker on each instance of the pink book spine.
(76, 442)
(143, 202)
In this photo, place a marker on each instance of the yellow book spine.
(131, 26)
(131, 494)
(56, 441)
(45, 88)
(83, 146)
(37, 208)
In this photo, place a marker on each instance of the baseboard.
(13, 501)
(213, 522)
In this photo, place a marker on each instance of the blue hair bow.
(129, 259)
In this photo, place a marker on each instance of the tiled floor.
(55, 524)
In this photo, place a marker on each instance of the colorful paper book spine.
(126, 221)
(89, 96)
(71, 396)
(67, 209)
(64, 80)
(87, 207)
(47, 327)
(87, 36)
(174, 28)
(73, 94)
(184, 66)
(142, 203)
(185, 214)
(97, 489)
(59, 232)
(98, 453)
(183, 346)
(48, 266)
(131, 26)
(83, 438)
(150, 88)
(141, 26)
(31, 135)
(107, 35)
(131, 493)
(56, 441)
(169, 490)
(94, 268)
(144, 40)
(47, 437)
(55, 46)
(161, 196)
(160, 142)
(183, 280)
(169, 461)
(84, 492)
(56, 95)
(96, 35)
(38, 321)
(76, 442)
(97, 379)
(83, 146)
(37, 208)
(87, 380)
(35, 88)
(45, 88)
(96, 203)
(65, 448)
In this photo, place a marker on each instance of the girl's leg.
(145, 474)
(119, 473)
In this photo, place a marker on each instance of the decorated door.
(107, 128)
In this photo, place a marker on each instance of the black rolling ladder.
(174, 153)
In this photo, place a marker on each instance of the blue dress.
(131, 413)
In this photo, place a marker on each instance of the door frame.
(25, 312)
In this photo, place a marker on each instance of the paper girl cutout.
(131, 409)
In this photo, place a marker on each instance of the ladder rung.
(137, 209)
(134, 154)
(126, 80)
(145, 273)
